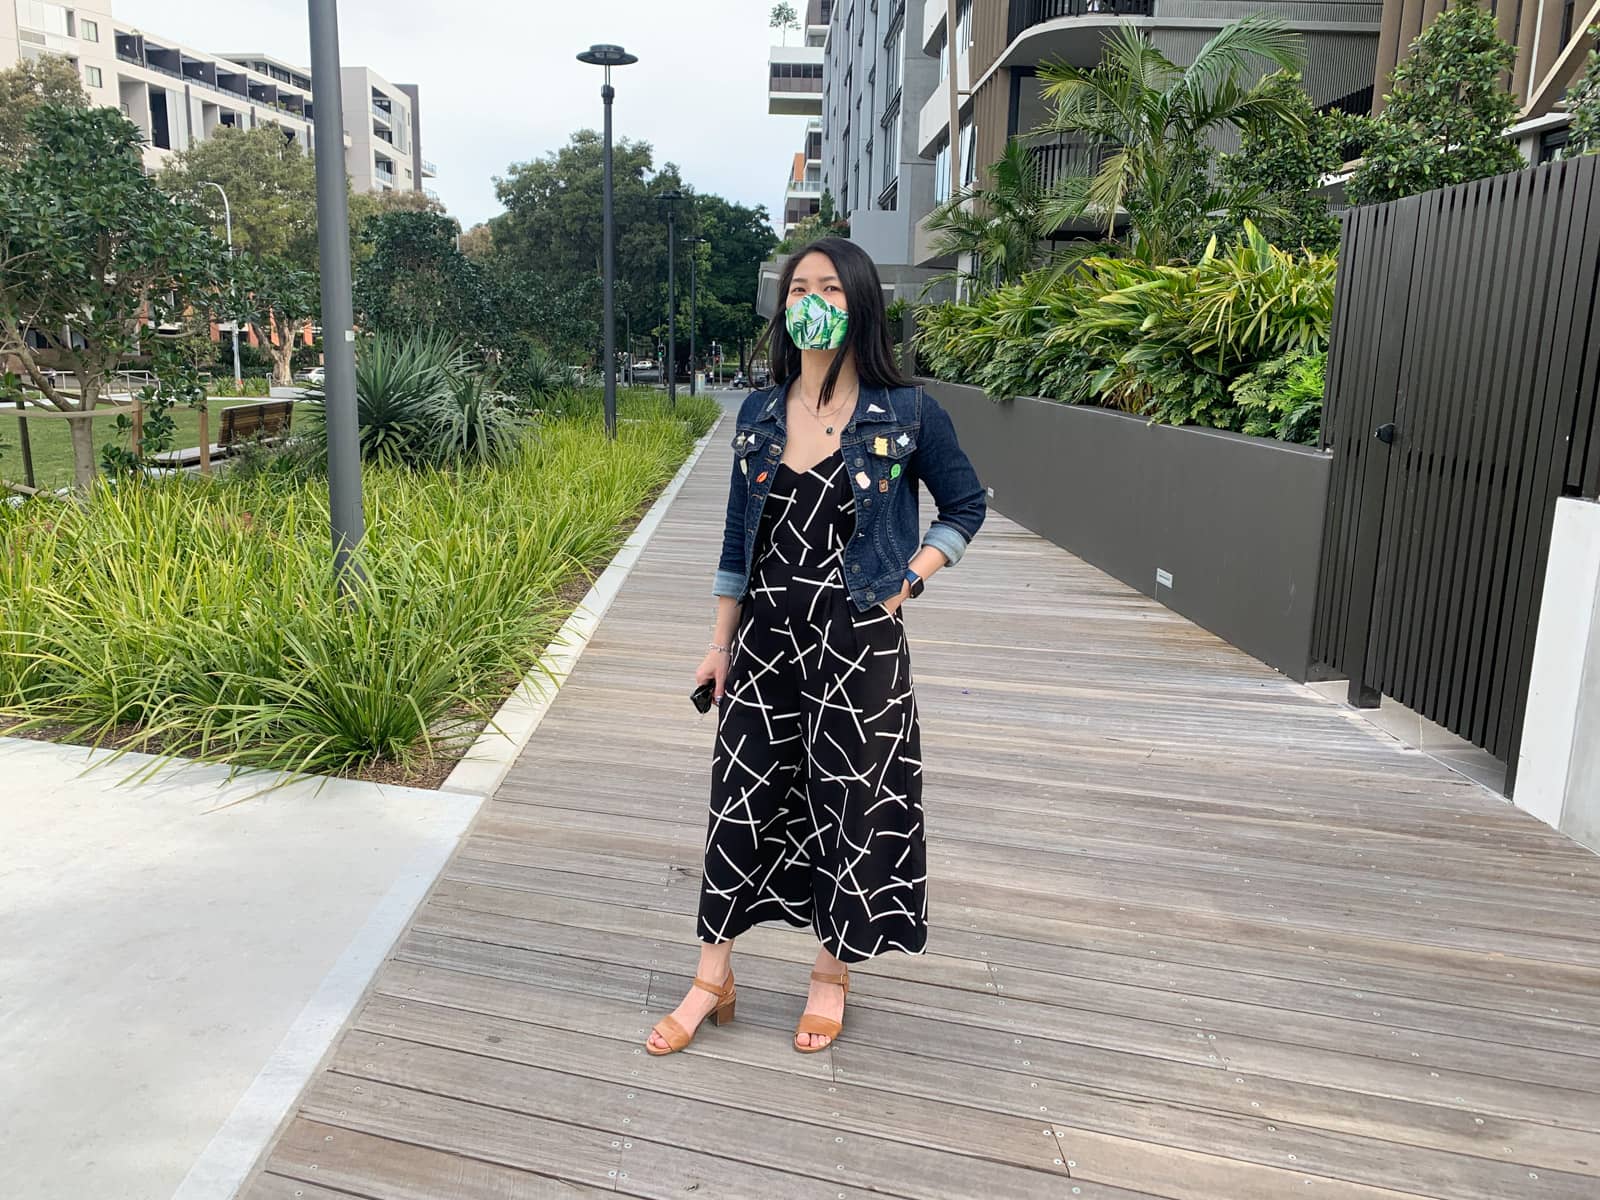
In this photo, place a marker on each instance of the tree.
(50, 79)
(280, 299)
(1445, 121)
(784, 18)
(995, 226)
(416, 280)
(739, 240)
(1279, 166)
(271, 185)
(95, 254)
(1584, 99)
(477, 243)
(1150, 124)
(551, 230)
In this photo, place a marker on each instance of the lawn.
(52, 445)
(199, 617)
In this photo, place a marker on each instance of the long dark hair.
(866, 333)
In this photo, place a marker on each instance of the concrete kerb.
(484, 767)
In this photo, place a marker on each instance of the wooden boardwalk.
(1197, 934)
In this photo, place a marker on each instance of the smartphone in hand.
(703, 695)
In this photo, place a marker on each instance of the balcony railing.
(428, 169)
(1027, 13)
(383, 112)
(805, 187)
(1056, 161)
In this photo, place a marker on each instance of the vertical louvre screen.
(1468, 320)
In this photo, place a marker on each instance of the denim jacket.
(891, 428)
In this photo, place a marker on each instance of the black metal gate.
(1463, 398)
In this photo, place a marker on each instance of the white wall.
(1558, 765)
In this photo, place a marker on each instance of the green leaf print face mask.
(814, 324)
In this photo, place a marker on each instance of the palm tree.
(1157, 122)
(997, 226)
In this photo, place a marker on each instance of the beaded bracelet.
(717, 648)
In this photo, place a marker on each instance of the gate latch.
(1385, 433)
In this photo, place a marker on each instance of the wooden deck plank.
(1195, 931)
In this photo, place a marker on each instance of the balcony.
(805, 187)
(1027, 13)
(383, 114)
(1056, 161)
(794, 81)
(429, 171)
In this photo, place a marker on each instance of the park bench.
(266, 422)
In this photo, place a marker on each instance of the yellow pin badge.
(880, 445)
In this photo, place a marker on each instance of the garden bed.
(197, 618)
(1223, 528)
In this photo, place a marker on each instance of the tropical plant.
(532, 375)
(475, 424)
(1584, 100)
(1282, 398)
(995, 226)
(401, 383)
(1162, 340)
(1156, 121)
(1279, 167)
(1445, 120)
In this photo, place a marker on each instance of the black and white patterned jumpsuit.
(816, 792)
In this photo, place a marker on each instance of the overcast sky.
(500, 84)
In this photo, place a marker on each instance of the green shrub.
(248, 386)
(202, 615)
(1283, 398)
(401, 385)
(475, 423)
(1162, 341)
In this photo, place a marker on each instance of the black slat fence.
(1463, 399)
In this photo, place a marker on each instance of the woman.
(816, 812)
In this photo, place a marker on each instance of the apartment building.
(178, 96)
(989, 53)
(794, 88)
(1552, 41)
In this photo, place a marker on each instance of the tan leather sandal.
(676, 1036)
(822, 1026)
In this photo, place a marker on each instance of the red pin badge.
(761, 478)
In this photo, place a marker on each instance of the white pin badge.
(744, 465)
(873, 408)
(862, 479)
(902, 440)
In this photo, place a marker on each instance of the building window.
(89, 31)
(891, 147)
(91, 76)
(891, 66)
(944, 58)
(941, 171)
(969, 153)
(963, 38)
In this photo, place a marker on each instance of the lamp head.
(605, 55)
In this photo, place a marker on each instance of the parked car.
(317, 376)
(739, 381)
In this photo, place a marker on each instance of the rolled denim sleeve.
(729, 579)
(961, 499)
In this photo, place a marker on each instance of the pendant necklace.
(827, 429)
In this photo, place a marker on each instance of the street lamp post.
(671, 198)
(227, 221)
(608, 56)
(338, 319)
(694, 303)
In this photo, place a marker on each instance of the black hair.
(866, 333)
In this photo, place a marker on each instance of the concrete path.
(171, 951)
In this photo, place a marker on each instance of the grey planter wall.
(1236, 521)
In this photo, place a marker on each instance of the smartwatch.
(915, 581)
